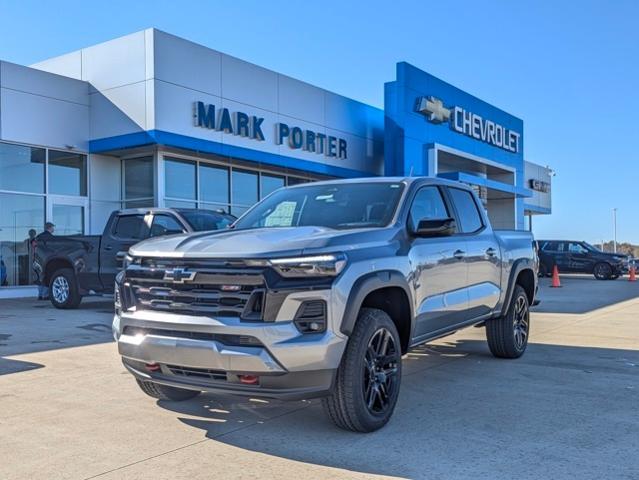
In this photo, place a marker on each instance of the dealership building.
(151, 119)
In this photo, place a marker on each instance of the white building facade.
(151, 119)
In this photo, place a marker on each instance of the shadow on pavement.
(583, 294)
(28, 326)
(461, 412)
(14, 366)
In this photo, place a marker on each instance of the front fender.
(367, 284)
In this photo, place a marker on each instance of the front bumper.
(288, 386)
(619, 268)
(189, 354)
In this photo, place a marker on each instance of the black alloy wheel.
(508, 335)
(521, 315)
(602, 271)
(368, 380)
(380, 372)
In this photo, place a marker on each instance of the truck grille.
(201, 289)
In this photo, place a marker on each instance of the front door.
(439, 270)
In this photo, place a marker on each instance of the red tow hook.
(152, 367)
(249, 379)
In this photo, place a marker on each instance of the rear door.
(562, 257)
(124, 232)
(483, 255)
(439, 271)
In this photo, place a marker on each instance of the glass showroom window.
(180, 183)
(137, 180)
(214, 187)
(21, 168)
(22, 187)
(67, 173)
(21, 217)
(270, 183)
(243, 191)
(296, 180)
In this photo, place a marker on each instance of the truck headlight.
(310, 266)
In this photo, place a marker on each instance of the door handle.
(491, 252)
(459, 254)
(108, 248)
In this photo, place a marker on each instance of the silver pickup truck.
(318, 291)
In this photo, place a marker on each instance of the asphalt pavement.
(568, 409)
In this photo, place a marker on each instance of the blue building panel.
(450, 118)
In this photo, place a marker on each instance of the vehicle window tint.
(337, 206)
(130, 227)
(427, 205)
(202, 220)
(469, 216)
(550, 247)
(165, 225)
(576, 248)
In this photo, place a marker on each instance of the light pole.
(614, 229)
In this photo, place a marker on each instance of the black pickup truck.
(78, 265)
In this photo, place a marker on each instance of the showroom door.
(68, 214)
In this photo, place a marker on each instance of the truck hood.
(262, 242)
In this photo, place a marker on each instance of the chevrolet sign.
(539, 185)
(470, 124)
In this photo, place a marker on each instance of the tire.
(164, 392)
(602, 271)
(508, 335)
(63, 289)
(369, 376)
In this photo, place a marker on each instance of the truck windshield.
(202, 220)
(337, 206)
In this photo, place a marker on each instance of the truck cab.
(78, 265)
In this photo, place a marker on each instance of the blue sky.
(569, 69)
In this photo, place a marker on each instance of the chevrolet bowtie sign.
(469, 124)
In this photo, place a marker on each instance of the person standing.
(31, 244)
(43, 290)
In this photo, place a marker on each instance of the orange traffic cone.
(555, 277)
(633, 274)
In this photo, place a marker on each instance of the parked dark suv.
(573, 256)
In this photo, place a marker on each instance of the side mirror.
(436, 228)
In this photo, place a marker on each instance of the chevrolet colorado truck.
(73, 266)
(318, 291)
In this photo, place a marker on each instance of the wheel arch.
(54, 265)
(385, 290)
(522, 273)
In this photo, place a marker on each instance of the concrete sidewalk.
(568, 409)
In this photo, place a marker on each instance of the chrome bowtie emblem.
(178, 275)
(434, 109)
